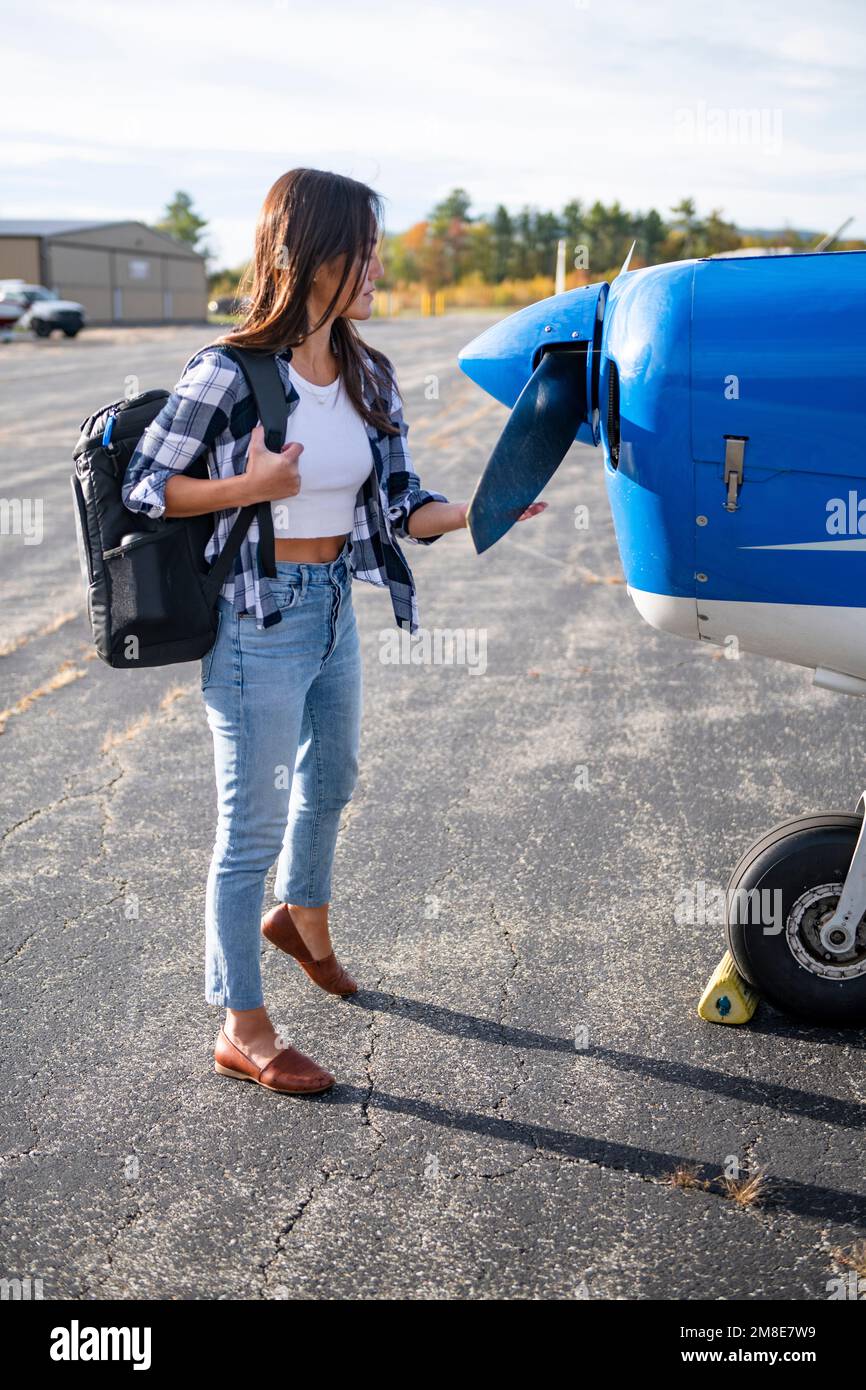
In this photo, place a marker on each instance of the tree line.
(450, 244)
(452, 247)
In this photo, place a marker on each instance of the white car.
(11, 310)
(44, 310)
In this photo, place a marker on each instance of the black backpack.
(151, 595)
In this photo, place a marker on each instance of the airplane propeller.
(539, 432)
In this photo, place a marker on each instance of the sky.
(758, 109)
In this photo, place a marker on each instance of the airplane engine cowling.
(729, 396)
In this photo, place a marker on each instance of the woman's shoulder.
(213, 373)
(216, 356)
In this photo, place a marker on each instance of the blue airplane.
(728, 395)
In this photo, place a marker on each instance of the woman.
(282, 683)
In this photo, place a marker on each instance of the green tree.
(180, 220)
(481, 252)
(717, 235)
(610, 232)
(650, 233)
(686, 220)
(447, 253)
(548, 230)
(503, 244)
(456, 205)
(523, 229)
(573, 229)
(222, 283)
(572, 220)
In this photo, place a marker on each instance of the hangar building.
(122, 272)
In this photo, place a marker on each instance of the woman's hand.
(534, 509)
(268, 476)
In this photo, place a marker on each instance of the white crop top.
(335, 462)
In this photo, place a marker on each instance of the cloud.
(514, 103)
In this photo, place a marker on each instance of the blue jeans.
(284, 707)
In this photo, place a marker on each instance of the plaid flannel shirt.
(212, 409)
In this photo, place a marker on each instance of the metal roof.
(30, 226)
(46, 227)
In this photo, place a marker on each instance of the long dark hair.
(308, 217)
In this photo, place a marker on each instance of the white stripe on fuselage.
(803, 634)
(859, 544)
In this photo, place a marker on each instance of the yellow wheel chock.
(728, 998)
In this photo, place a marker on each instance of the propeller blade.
(540, 430)
(627, 262)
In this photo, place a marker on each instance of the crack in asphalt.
(108, 1242)
(286, 1230)
(53, 806)
(504, 1001)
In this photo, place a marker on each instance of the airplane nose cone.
(503, 358)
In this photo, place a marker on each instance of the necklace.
(322, 395)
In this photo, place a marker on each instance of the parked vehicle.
(12, 308)
(44, 310)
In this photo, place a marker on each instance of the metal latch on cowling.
(735, 449)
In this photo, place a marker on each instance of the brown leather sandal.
(290, 1071)
(279, 928)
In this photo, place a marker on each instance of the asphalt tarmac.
(523, 1072)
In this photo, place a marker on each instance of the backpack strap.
(263, 378)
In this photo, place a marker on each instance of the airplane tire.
(781, 891)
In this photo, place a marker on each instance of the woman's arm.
(196, 496)
(434, 518)
(405, 495)
(190, 422)
(268, 478)
(416, 514)
(192, 419)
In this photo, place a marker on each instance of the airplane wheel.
(784, 888)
